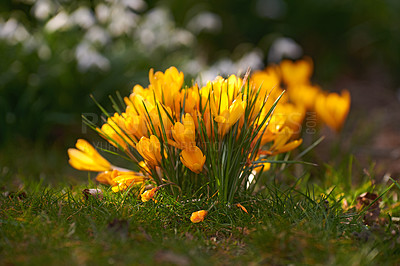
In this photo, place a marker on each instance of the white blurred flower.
(225, 66)
(137, 5)
(44, 52)
(284, 47)
(83, 17)
(31, 44)
(102, 13)
(252, 60)
(155, 28)
(7, 29)
(42, 9)
(192, 67)
(88, 57)
(13, 31)
(158, 30)
(147, 37)
(60, 22)
(222, 67)
(98, 35)
(183, 37)
(205, 21)
(122, 21)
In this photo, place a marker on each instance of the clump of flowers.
(302, 96)
(212, 139)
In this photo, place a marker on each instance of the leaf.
(241, 207)
(20, 195)
(371, 202)
(92, 192)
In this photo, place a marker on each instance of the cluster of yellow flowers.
(302, 95)
(217, 134)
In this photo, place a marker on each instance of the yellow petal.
(129, 177)
(106, 178)
(150, 150)
(198, 216)
(148, 194)
(86, 158)
(333, 108)
(289, 146)
(295, 73)
(193, 159)
(242, 207)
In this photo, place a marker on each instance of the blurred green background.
(54, 54)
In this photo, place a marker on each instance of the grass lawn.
(298, 223)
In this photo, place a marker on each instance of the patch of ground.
(373, 125)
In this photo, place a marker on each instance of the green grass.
(290, 223)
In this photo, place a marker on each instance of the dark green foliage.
(43, 92)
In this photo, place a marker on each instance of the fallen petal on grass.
(198, 216)
(93, 192)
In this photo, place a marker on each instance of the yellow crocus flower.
(265, 166)
(143, 92)
(107, 177)
(147, 111)
(189, 99)
(86, 158)
(193, 159)
(125, 180)
(140, 102)
(184, 134)
(281, 142)
(135, 125)
(150, 150)
(153, 121)
(219, 101)
(113, 132)
(298, 72)
(233, 87)
(304, 95)
(275, 122)
(226, 89)
(208, 122)
(268, 82)
(129, 125)
(333, 108)
(292, 115)
(228, 117)
(166, 85)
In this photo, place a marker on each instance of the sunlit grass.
(288, 223)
